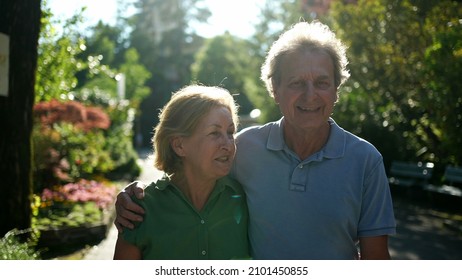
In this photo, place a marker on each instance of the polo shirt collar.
(276, 136)
(220, 186)
(334, 148)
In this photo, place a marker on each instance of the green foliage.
(168, 48)
(118, 138)
(163, 36)
(57, 62)
(225, 61)
(70, 215)
(64, 152)
(84, 151)
(72, 205)
(79, 153)
(443, 65)
(102, 41)
(136, 76)
(405, 56)
(13, 248)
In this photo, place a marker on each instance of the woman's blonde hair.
(180, 117)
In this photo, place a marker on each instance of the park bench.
(409, 177)
(449, 193)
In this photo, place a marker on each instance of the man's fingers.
(127, 210)
(135, 188)
(125, 205)
(139, 190)
(122, 223)
(130, 188)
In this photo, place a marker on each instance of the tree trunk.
(20, 20)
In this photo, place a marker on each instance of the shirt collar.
(220, 186)
(334, 148)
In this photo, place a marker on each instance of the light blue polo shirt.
(315, 208)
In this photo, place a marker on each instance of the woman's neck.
(196, 190)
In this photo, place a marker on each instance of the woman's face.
(306, 94)
(209, 151)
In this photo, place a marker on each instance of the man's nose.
(308, 90)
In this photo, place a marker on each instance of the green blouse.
(173, 229)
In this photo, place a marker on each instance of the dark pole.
(19, 33)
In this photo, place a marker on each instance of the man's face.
(306, 94)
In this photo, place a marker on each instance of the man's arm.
(374, 248)
(126, 251)
(128, 211)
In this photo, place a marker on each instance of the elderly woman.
(195, 211)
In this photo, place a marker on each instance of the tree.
(166, 44)
(404, 58)
(58, 61)
(20, 20)
(443, 65)
(226, 61)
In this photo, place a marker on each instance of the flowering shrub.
(73, 140)
(82, 191)
(64, 153)
(73, 204)
(85, 117)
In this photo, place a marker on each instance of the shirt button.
(204, 253)
(202, 222)
(300, 166)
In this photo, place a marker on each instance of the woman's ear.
(177, 145)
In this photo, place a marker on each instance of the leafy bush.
(75, 140)
(73, 204)
(64, 153)
(81, 116)
(12, 248)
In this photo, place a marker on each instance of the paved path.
(422, 234)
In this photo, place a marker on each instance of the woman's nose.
(227, 142)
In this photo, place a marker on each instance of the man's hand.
(128, 211)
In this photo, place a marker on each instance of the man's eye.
(323, 84)
(297, 83)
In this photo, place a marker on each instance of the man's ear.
(177, 145)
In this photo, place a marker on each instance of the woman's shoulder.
(154, 189)
(231, 183)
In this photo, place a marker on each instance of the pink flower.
(81, 192)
